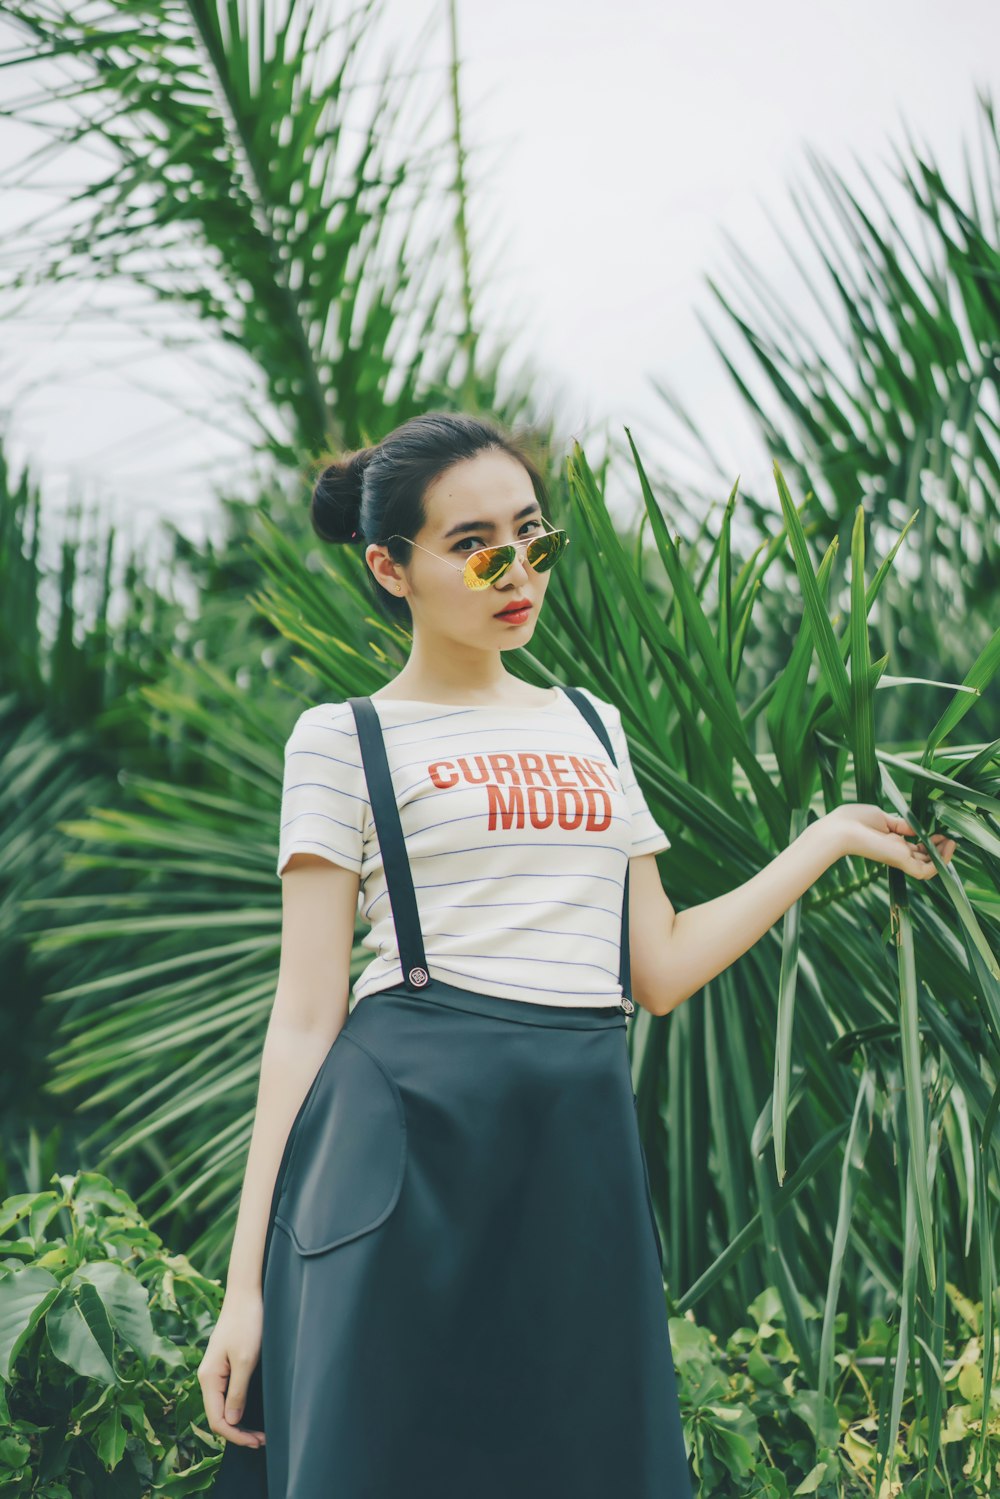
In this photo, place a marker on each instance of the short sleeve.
(647, 835)
(324, 796)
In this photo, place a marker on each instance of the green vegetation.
(819, 1121)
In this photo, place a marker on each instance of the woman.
(446, 1275)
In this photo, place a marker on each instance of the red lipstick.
(515, 612)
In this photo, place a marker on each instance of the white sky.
(613, 148)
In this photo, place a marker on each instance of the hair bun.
(335, 510)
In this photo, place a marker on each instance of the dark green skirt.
(462, 1278)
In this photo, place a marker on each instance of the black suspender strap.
(398, 878)
(399, 881)
(600, 728)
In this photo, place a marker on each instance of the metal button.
(419, 976)
(627, 1005)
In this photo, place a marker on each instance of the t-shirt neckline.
(417, 702)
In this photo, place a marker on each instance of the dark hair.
(368, 495)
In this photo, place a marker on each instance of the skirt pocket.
(347, 1160)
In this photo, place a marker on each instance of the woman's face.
(483, 501)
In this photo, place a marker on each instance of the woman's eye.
(480, 543)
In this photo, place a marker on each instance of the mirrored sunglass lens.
(489, 565)
(543, 552)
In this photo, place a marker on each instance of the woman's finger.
(236, 1395)
(945, 848)
(236, 1399)
(214, 1383)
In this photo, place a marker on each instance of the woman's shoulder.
(325, 712)
(333, 721)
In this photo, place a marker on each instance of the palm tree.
(245, 194)
(244, 191)
(894, 405)
(858, 1017)
(67, 669)
(867, 1018)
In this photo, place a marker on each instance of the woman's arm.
(673, 954)
(319, 908)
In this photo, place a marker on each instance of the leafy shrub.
(101, 1334)
(752, 1418)
(102, 1331)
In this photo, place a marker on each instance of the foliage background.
(819, 1120)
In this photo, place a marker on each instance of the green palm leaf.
(245, 187)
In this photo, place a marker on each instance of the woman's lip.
(511, 613)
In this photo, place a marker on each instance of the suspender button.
(418, 976)
(627, 1005)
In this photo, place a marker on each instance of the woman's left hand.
(864, 829)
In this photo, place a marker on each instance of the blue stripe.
(324, 816)
(494, 905)
(542, 931)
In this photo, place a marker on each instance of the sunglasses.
(487, 566)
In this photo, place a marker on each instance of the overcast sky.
(613, 148)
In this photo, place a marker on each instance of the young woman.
(446, 1276)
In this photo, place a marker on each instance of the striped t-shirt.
(518, 829)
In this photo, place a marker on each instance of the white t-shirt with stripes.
(518, 829)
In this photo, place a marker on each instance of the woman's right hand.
(230, 1358)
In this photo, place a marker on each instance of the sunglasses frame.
(508, 546)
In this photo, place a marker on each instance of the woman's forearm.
(706, 938)
(290, 1060)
